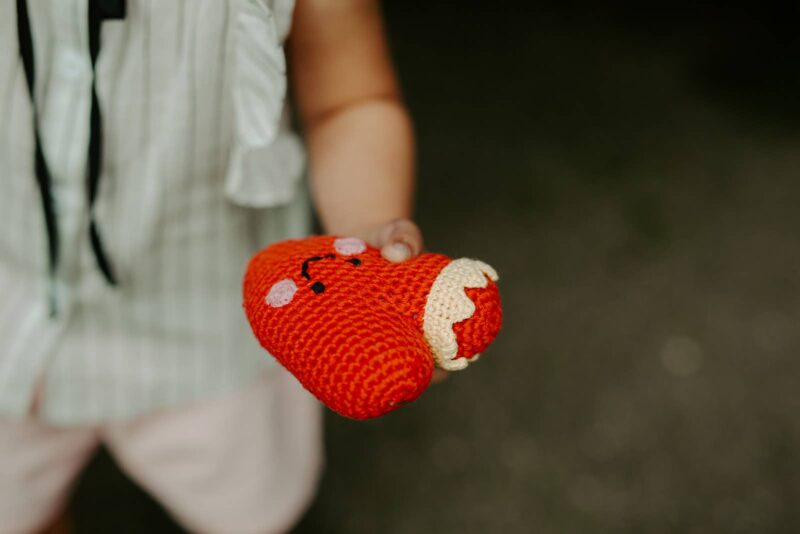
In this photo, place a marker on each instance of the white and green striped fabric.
(200, 170)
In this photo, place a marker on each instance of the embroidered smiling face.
(346, 249)
(320, 307)
(361, 333)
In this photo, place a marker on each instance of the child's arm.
(359, 133)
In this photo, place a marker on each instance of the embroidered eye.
(317, 287)
(354, 261)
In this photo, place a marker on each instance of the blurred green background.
(632, 173)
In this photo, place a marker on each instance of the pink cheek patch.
(347, 246)
(281, 293)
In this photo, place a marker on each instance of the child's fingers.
(400, 240)
(396, 251)
(439, 376)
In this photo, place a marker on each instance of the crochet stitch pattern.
(361, 333)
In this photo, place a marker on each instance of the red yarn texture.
(476, 333)
(352, 331)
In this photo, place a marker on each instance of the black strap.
(43, 177)
(96, 145)
(99, 10)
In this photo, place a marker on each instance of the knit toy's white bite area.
(448, 304)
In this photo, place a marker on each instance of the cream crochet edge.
(449, 304)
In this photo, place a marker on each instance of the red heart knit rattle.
(361, 333)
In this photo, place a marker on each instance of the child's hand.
(400, 240)
(358, 130)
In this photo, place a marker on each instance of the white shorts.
(245, 462)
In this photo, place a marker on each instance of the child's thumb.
(400, 240)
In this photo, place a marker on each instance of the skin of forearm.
(362, 165)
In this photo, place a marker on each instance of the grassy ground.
(635, 186)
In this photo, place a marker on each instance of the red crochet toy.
(362, 333)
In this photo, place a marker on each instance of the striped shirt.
(199, 171)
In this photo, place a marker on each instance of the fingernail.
(397, 252)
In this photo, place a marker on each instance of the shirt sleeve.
(266, 158)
